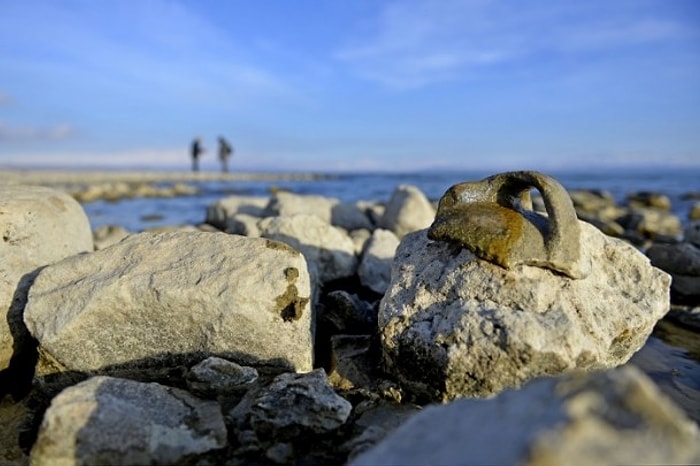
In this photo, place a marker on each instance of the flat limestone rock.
(455, 325)
(106, 420)
(155, 295)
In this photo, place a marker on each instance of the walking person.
(197, 150)
(225, 152)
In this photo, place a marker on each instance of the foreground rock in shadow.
(106, 420)
(614, 417)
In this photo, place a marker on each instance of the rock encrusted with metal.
(454, 324)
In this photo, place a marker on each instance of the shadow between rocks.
(16, 379)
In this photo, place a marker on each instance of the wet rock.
(109, 235)
(328, 248)
(649, 200)
(408, 210)
(374, 270)
(691, 234)
(682, 261)
(219, 213)
(217, 376)
(38, 226)
(615, 417)
(107, 420)
(455, 325)
(156, 296)
(652, 223)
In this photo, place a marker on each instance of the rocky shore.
(299, 329)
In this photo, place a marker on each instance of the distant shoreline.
(92, 176)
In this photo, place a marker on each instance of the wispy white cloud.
(418, 42)
(58, 132)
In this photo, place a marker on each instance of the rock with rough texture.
(329, 248)
(408, 210)
(155, 295)
(217, 376)
(455, 325)
(694, 211)
(219, 212)
(39, 226)
(374, 270)
(494, 219)
(330, 210)
(112, 421)
(615, 417)
(289, 412)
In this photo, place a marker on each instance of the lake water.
(140, 214)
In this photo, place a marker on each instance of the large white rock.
(374, 270)
(454, 325)
(111, 421)
(327, 248)
(38, 226)
(615, 417)
(154, 295)
(408, 210)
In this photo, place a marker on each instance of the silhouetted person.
(197, 150)
(225, 152)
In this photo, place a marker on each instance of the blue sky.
(354, 85)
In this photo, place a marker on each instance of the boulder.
(374, 270)
(682, 261)
(652, 223)
(331, 210)
(455, 325)
(591, 201)
(39, 226)
(691, 234)
(408, 210)
(156, 296)
(328, 248)
(649, 200)
(243, 224)
(220, 211)
(112, 421)
(615, 417)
